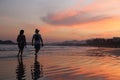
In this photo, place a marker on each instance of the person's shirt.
(21, 39)
(37, 38)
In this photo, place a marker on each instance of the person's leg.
(35, 51)
(37, 48)
(22, 48)
(19, 50)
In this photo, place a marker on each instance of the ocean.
(60, 63)
(10, 51)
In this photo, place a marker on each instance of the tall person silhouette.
(37, 41)
(21, 40)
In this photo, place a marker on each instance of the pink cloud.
(96, 11)
(73, 18)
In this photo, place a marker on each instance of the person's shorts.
(37, 46)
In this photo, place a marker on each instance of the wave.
(10, 56)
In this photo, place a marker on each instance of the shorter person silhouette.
(37, 41)
(21, 40)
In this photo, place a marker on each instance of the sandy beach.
(62, 63)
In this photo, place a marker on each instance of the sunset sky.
(60, 20)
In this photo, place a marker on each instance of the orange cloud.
(94, 11)
(105, 28)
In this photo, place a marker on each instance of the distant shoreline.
(7, 42)
(97, 42)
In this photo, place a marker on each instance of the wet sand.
(95, 64)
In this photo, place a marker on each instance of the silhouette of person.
(20, 71)
(36, 69)
(21, 40)
(37, 41)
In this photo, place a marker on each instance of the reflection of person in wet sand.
(21, 40)
(36, 70)
(20, 71)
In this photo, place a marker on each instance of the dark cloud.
(79, 18)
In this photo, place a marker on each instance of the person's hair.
(21, 32)
(36, 31)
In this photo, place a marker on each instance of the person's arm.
(32, 40)
(41, 40)
(17, 39)
(25, 40)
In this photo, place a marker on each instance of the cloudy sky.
(60, 20)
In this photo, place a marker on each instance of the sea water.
(61, 63)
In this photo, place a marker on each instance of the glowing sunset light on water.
(89, 67)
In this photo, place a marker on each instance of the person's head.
(21, 32)
(36, 31)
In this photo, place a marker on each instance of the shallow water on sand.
(60, 63)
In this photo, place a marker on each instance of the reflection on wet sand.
(36, 69)
(20, 71)
(96, 64)
(81, 67)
